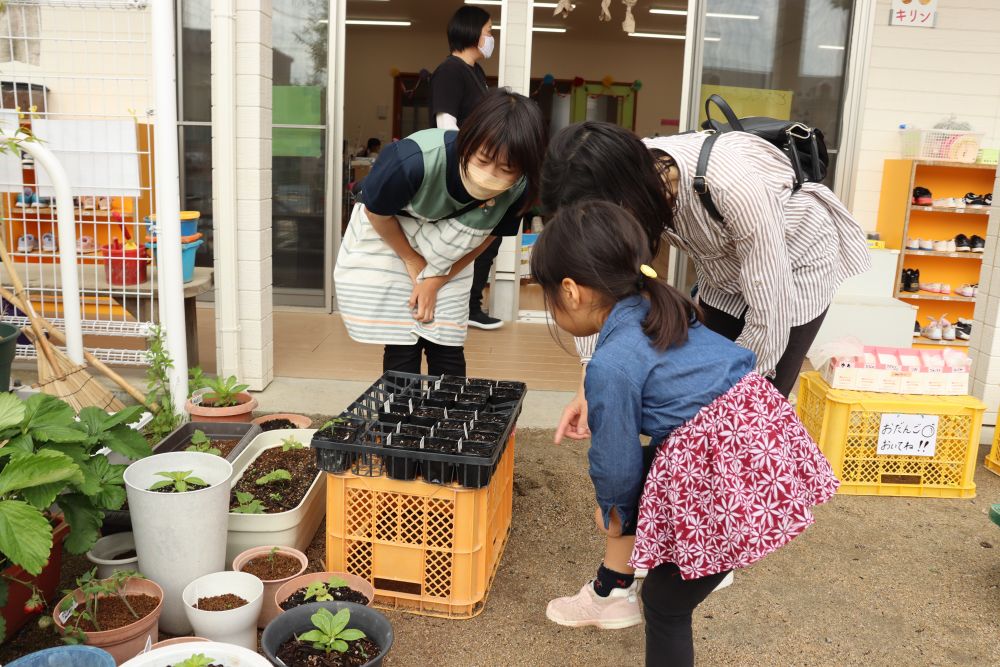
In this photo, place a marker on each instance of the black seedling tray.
(378, 434)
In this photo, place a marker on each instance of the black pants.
(481, 275)
(800, 339)
(668, 601)
(441, 359)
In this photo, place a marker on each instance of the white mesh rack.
(78, 74)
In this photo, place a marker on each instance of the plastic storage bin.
(846, 426)
(940, 145)
(189, 223)
(426, 548)
(992, 460)
(188, 253)
(125, 266)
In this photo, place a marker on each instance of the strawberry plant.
(178, 481)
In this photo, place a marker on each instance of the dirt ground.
(876, 581)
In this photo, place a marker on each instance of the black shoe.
(922, 196)
(911, 280)
(978, 243)
(916, 329)
(962, 243)
(481, 320)
(963, 329)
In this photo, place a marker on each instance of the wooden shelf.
(959, 165)
(920, 340)
(935, 253)
(969, 210)
(931, 296)
(85, 213)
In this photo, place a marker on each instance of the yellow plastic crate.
(426, 548)
(992, 460)
(846, 425)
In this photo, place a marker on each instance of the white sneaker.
(913, 244)
(726, 582)
(940, 246)
(926, 244)
(933, 330)
(951, 245)
(617, 611)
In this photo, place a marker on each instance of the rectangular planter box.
(119, 521)
(47, 582)
(294, 528)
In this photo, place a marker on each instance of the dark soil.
(301, 463)
(275, 424)
(301, 654)
(223, 602)
(225, 446)
(113, 614)
(342, 594)
(266, 568)
(173, 489)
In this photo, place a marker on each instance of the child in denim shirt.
(730, 474)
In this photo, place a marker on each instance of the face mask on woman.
(483, 185)
(486, 48)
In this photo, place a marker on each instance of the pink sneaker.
(619, 610)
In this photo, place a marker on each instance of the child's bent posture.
(730, 475)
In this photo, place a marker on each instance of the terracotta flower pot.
(126, 642)
(300, 421)
(242, 412)
(269, 610)
(355, 582)
(47, 582)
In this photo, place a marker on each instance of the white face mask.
(483, 185)
(487, 46)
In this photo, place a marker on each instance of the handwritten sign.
(912, 435)
(914, 13)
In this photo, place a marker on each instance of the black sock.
(607, 580)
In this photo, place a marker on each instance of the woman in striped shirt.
(766, 273)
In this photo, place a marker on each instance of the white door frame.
(335, 67)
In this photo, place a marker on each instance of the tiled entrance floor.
(316, 345)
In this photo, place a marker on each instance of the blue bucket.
(66, 656)
(189, 223)
(188, 252)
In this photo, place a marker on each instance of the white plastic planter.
(179, 536)
(235, 626)
(294, 528)
(227, 655)
(105, 551)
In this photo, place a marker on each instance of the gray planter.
(296, 621)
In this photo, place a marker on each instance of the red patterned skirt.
(731, 485)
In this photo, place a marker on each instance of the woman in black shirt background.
(458, 84)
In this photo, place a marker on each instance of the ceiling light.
(742, 17)
(547, 5)
(668, 12)
(656, 35)
(713, 39)
(832, 47)
(402, 24)
(538, 28)
(495, 3)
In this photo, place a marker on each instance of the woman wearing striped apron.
(431, 204)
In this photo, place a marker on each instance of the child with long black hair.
(731, 474)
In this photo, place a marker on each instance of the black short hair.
(466, 26)
(510, 127)
(374, 142)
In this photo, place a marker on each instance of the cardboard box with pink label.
(943, 372)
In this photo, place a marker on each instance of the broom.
(58, 375)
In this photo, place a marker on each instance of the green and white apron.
(372, 285)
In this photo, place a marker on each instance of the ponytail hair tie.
(645, 271)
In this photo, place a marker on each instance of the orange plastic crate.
(426, 548)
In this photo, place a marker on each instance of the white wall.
(919, 76)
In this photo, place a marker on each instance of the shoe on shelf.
(26, 243)
(922, 196)
(944, 289)
(940, 246)
(952, 246)
(963, 328)
(926, 244)
(481, 320)
(978, 243)
(617, 611)
(988, 199)
(932, 331)
(48, 242)
(85, 244)
(930, 287)
(913, 244)
(916, 329)
(966, 290)
(972, 199)
(910, 280)
(946, 202)
(962, 243)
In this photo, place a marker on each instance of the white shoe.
(933, 330)
(913, 244)
(951, 245)
(926, 244)
(940, 246)
(641, 573)
(726, 582)
(617, 611)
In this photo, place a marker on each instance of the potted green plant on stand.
(219, 399)
(298, 637)
(49, 456)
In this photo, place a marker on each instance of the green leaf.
(76, 451)
(25, 535)
(42, 409)
(351, 635)
(92, 420)
(43, 467)
(196, 481)
(279, 475)
(325, 622)
(110, 492)
(311, 636)
(61, 434)
(180, 485)
(128, 442)
(84, 521)
(161, 485)
(340, 621)
(11, 411)
(336, 582)
(239, 388)
(128, 415)
(43, 496)
(339, 645)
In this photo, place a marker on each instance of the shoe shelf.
(899, 219)
(953, 255)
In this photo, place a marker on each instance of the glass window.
(196, 60)
(298, 208)
(196, 143)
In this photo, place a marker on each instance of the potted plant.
(77, 656)
(118, 614)
(220, 400)
(225, 606)
(173, 641)
(53, 457)
(199, 655)
(321, 628)
(278, 493)
(113, 553)
(275, 566)
(180, 525)
(282, 420)
(323, 587)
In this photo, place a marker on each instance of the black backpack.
(804, 146)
